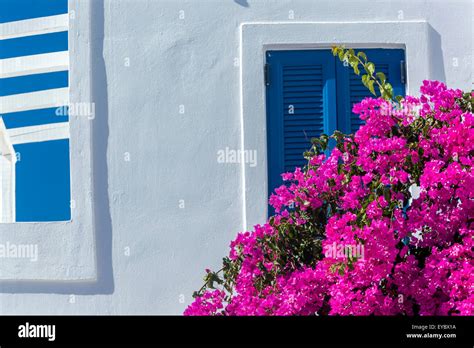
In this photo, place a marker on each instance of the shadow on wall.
(243, 3)
(103, 223)
(437, 68)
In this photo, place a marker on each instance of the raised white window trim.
(256, 38)
(66, 250)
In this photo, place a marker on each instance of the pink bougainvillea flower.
(351, 237)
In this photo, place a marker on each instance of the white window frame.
(66, 250)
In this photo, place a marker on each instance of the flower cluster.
(401, 188)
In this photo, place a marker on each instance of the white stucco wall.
(170, 80)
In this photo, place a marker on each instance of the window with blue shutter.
(301, 93)
(34, 104)
(309, 92)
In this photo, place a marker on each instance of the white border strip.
(7, 177)
(242, 137)
(36, 100)
(35, 134)
(36, 64)
(35, 26)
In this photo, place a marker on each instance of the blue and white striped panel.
(34, 99)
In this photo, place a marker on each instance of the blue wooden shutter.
(301, 105)
(350, 89)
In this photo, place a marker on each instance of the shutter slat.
(305, 111)
(305, 93)
(307, 83)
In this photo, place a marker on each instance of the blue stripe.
(43, 191)
(33, 83)
(36, 117)
(16, 10)
(35, 44)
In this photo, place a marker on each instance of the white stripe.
(243, 180)
(35, 134)
(36, 26)
(36, 64)
(36, 100)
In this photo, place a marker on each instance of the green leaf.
(386, 194)
(365, 79)
(338, 135)
(381, 90)
(341, 55)
(355, 65)
(336, 50)
(324, 139)
(399, 98)
(356, 69)
(362, 55)
(370, 68)
(370, 86)
(381, 76)
(346, 56)
(388, 91)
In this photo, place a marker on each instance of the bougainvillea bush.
(380, 225)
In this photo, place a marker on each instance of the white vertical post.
(7, 177)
